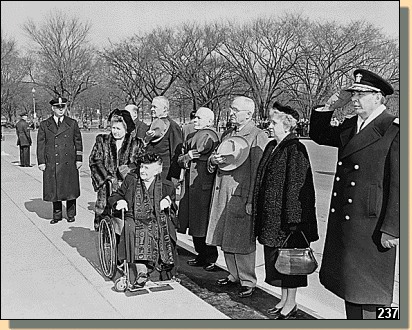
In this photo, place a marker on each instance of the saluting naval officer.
(59, 156)
(359, 255)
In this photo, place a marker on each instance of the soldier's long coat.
(364, 204)
(229, 225)
(60, 148)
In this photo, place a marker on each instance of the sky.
(117, 20)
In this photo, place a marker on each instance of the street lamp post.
(34, 104)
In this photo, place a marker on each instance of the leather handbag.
(295, 261)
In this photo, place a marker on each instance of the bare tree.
(64, 61)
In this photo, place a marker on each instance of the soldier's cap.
(367, 81)
(286, 109)
(59, 102)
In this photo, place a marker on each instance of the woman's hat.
(160, 127)
(286, 109)
(235, 149)
(130, 126)
(204, 141)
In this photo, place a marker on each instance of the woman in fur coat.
(284, 203)
(112, 157)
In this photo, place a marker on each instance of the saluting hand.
(78, 165)
(389, 241)
(42, 167)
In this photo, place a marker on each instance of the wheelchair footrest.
(163, 287)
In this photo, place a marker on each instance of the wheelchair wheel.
(121, 284)
(107, 247)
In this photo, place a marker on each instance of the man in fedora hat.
(358, 262)
(198, 183)
(140, 127)
(23, 140)
(169, 145)
(59, 157)
(230, 223)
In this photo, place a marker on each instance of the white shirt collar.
(372, 116)
(57, 118)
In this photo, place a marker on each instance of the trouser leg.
(360, 311)
(206, 253)
(242, 268)
(71, 208)
(26, 156)
(57, 210)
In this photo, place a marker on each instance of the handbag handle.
(284, 242)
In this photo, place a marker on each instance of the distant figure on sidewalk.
(190, 126)
(140, 127)
(358, 263)
(59, 156)
(23, 140)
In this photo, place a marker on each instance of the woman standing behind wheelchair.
(284, 203)
(112, 157)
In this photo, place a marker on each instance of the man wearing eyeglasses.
(59, 157)
(358, 262)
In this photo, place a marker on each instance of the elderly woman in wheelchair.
(148, 202)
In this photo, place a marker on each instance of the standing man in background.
(59, 156)
(140, 127)
(23, 140)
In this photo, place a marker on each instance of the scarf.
(143, 207)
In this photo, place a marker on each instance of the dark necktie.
(360, 128)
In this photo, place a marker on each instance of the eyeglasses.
(236, 110)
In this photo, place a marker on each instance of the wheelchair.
(110, 229)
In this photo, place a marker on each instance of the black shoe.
(71, 219)
(210, 267)
(139, 283)
(274, 311)
(246, 291)
(55, 221)
(289, 315)
(225, 282)
(195, 263)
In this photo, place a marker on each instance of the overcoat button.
(350, 200)
(337, 178)
(339, 163)
(347, 217)
(356, 167)
(353, 184)
(332, 210)
(334, 193)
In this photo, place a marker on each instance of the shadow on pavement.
(226, 300)
(86, 242)
(41, 208)
(91, 206)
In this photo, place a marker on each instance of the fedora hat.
(160, 127)
(204, 141)
(235, 149)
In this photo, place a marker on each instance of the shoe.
(225, 282)
(274, 311)
(210, 267)
(246, 291)
(71, 219)
(139, 283)
(55, 221)
(292, 313)
(195, 263)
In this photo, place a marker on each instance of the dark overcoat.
(169, 148)
(104, 162)
(284, 194)
(364, 204)
(140, 128)
(23, 133)
(230, 227)
(198, 184)
(60, 148)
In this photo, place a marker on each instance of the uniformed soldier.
(59, 156)
(23, 140)
(359, 256)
